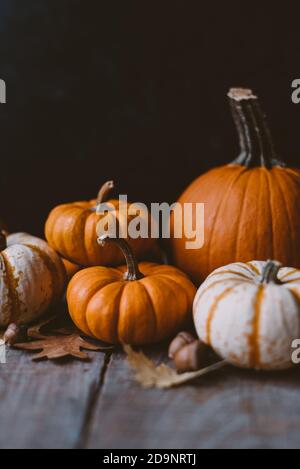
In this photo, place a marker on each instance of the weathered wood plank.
(46, 404)
(228, 409)
(98, 405)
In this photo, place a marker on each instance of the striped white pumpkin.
(250, 313)
(32, 278)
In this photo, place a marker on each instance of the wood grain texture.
(228, 409)
(98, 405)
(45, 404)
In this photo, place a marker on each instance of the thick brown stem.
(257, 148)
(270, 272)
(104, 191)
(133, 272)
(3, 241)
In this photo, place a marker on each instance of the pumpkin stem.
(270, 272)
(133, 272)
(3, 241)
(257, 148)
(104, 191)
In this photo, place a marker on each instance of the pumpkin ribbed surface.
(71, 229)
(251, 205)
(32, 278)
(249, 214)
(250, 323)
(104, 305)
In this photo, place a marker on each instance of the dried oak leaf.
(58, 346)
(162, 376)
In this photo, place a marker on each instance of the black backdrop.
(133, 91)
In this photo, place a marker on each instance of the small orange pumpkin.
(71, 229)
(133, 304)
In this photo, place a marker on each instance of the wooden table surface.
(97, 404)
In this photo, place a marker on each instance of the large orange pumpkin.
(252, 206)
(71, 229)
(133, 304)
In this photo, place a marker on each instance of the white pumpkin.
(250, 313)
(32, 278)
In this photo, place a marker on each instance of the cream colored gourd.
(250, 313)
(32, 278)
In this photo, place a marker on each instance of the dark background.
(134, 91)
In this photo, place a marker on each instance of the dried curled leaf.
(162, 376)
(58, 346)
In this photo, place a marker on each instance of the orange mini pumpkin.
(133, 304)
(251, 205)
(71, 229)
